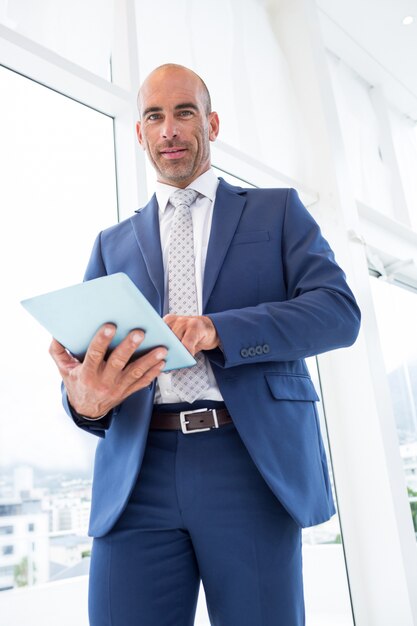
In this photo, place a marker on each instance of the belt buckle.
(184, 421)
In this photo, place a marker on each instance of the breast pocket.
(251, 236)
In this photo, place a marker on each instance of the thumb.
(63, 360)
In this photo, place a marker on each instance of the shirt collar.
(206, 185)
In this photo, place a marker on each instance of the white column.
(130, 159)
(375, 518)
(388, 154)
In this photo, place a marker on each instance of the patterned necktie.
(188, 383)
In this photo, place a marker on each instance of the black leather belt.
(199, 420)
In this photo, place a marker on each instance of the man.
(208, 473)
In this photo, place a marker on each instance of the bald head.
(181, 73)
(176, 124)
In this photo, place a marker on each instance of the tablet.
(74, 314)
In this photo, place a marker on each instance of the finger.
(177, 323)
(98, 346)
(200, 334)
(140, 368)
(146, 379)
(57, 351)
(169, 318)
(191, 338)
(63, 360)
(185, 327)
(123, 352)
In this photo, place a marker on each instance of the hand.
(195, 332)
(95, 386)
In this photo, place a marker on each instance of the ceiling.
(369, 36)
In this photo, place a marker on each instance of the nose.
(169, 128)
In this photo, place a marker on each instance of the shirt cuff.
(89, 419)
(78, 416)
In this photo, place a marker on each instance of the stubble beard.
(185, 168)
(175, 172)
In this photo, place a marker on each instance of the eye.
(186, 113)
(153, 116)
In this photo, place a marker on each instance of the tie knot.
(183, 196)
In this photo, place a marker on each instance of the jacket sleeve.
(319, 313)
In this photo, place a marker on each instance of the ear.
(214, 125)
(139, 134)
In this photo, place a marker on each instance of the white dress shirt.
(202, 214)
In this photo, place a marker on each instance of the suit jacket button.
(251, 351)
(244, 353)
(265, 348)
(259, 350)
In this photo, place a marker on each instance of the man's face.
(175, 128)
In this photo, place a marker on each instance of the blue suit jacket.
(276, 295)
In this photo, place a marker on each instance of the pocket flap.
(290, 387)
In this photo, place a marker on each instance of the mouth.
(173, 153)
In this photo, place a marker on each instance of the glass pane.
(58, 190)
(78, 30)
(396, 312)
(326, 585)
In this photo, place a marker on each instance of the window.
(7, 550)
(396, 311)
(9, 509)
(58, 190)
(78, 31)
(6, 571)
(324, 566)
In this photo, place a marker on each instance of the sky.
(58, 190)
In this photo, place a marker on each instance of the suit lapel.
(146, 228)
(228, 208)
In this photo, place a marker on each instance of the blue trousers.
(200, 511)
